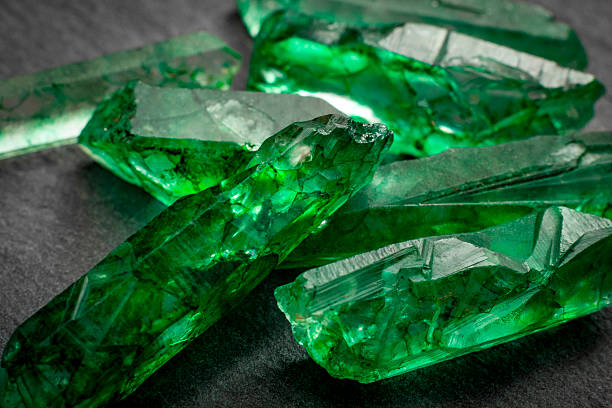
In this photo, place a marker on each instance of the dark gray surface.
(60, 214)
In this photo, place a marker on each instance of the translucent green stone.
(104, 335)
(524, 27)
(433, 87)
(51, 107)
(420, 302)
(175, 142)
(465, 190)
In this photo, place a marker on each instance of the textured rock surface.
(175, 142)
(522, 26)
(108, 332)
(413, 304)
(52, 107)
(454, 91)
(464, 190)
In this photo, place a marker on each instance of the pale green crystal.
(51, 107)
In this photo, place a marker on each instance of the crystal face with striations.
(175, 142)
(465, 190)
(524, 27)
(420, 302)
(103, 336)
(51, 107)
(433, 87)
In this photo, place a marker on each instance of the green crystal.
(417, 303)
(51, 107)
(466, 190)
(524, 27)
(103, 336)
(175, 142)
(433, 87)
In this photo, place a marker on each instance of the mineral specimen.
(51, 107)
(465, 190)
(175, 142)
(433, 87)
(417, 303)
(103, 336)
(525, 27)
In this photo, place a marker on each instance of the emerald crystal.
(103, 336)
(435, 88)
(524, 27)
(465, 190)
(175, 142)
(51, 107)
(420, 302)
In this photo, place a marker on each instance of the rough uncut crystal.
(433, 87)
(51, 107)
(465, 190)
(104, 335)
(175, 142)
(524, 27)
(420, 302)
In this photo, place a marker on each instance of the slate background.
(60, 214)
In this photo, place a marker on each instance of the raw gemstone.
(433, 87)
(103, 336)
(466, 190)
(51, 107)
(417, 303)
(524, 27)
(175, 142)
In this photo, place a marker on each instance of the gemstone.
(103, 336)
(51, 107)
(417, 303)
(466, 190)
(524, 27)
(175, 142)
(433, 87)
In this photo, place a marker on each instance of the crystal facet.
(524, 27)
(175, 142)
(433, 87)
(103, 336)
(417, 303)
(51, 107)
(465, 190)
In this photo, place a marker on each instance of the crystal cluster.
(524, 27)
(108, 332)
(465, 190)
(434, 87)
(51, 107)
(175, 142)
(416, 303)
(519, 233)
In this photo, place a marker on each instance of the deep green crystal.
(51, 107)
(175, 142)
(104, 335)
(465, 190)
(433, 87)
(524, 27)
(417, 303)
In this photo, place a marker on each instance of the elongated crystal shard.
(175, 142)
(466, 190)
(51, 107)
(103, 336)
(525, 27)
(417, 303)
(435, 88)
